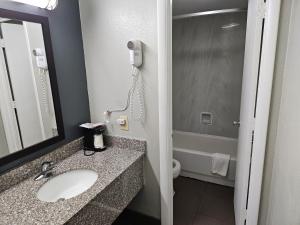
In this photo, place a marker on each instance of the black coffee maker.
(93, 137)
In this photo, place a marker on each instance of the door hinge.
(245, 216)
(262, 11)
(2, 43)
(14, 104)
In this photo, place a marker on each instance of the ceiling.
(192, 6)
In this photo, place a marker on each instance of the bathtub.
(194, 152)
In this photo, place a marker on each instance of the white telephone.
(135, 53)
(135, 98)
(137, 105)
(40, 57)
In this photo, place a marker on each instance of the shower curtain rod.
(222, 11)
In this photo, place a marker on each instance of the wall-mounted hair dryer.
(135, 52)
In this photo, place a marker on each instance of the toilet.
(176, 168)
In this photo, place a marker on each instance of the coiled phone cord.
(138, 88)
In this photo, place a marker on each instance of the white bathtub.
(194, 152)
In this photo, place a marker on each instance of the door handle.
(236, 123)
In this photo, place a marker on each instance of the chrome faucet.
(46, 171)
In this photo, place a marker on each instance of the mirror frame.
(18, 158)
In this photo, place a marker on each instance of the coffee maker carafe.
(93, 137)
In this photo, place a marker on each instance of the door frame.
(164, 46)
(264, 90)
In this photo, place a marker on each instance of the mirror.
(29, 103)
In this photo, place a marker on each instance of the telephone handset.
(135, 53)
(137, 105)
(40, 57)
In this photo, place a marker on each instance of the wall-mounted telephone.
(137, 105)
(42, 65)
(135, 53)
(135, 97)
(40, 57)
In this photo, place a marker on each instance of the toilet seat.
(176, 168)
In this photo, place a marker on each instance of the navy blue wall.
(65, 28)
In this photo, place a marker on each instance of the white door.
(248, 101)
(23, 85)
(256, 90)
(7, 111)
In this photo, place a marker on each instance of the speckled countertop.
(19, 204)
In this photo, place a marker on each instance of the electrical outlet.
(125, 125)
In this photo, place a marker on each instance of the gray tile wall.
(207, 72)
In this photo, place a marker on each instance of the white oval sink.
(67, 185)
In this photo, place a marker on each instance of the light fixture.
(46, 4)
(230, 25)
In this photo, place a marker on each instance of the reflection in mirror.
(27, 115)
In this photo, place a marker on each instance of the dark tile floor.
(202, 203)
(129, 217)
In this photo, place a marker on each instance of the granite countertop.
(19, 204)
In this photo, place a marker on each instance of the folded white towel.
(220, 163)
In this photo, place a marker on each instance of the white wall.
(107, 26)
(274, 108)
(284, 199)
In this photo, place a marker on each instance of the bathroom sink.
(67, 185)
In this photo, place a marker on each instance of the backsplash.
(125, 143)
